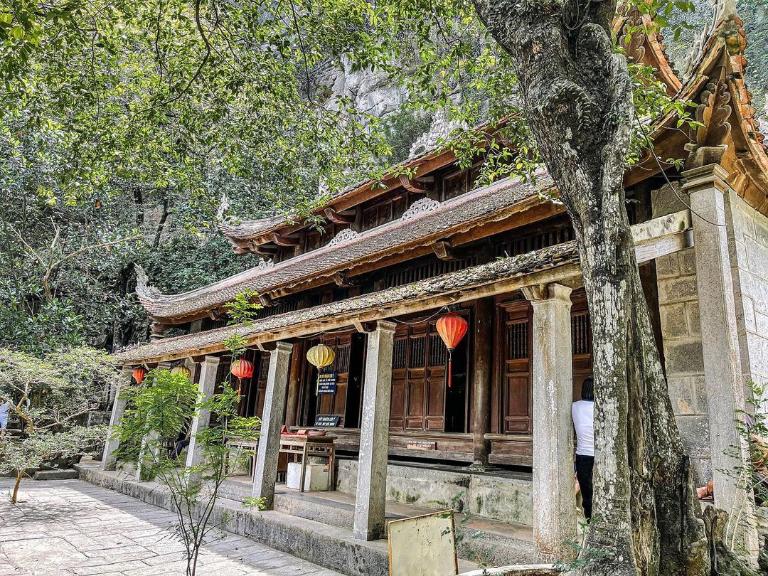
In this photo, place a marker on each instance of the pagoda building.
(395, 255)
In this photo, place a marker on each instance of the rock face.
(410, 133)
(372, 92)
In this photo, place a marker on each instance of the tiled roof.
(375, 305)
(245, 230)
(422, 228)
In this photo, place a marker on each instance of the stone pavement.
(70, 527)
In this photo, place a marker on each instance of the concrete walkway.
(71, 527)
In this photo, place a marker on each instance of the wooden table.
(247, 445)
(296, 446)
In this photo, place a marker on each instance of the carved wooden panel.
(514, 352)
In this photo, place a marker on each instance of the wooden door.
(436, 372)
(399, 380)
(515, 376)
(415, 393)
(419, 371)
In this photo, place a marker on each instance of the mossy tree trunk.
(576, 93)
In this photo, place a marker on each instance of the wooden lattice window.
(517, 340)
(341, 364)
(417, 352)
(581, 333)
(438, 353)
(399, 353)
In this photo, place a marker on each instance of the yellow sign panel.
(424, 545)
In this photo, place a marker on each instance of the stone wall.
(679, 311)
(683, 360)
(681, 336)
(506, 498)
(748, 246)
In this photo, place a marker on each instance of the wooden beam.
(443, 250)
(267, 250)
(417, 186)
(341, 279)
(284, 240)
(215, 314)
(338, 217)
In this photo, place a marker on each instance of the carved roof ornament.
(143, 289)
(419, 207)
(265, 264)
(643, 44)
(344, 236)
(709, 141)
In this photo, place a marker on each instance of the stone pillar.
(554, 505)
(724, 383)
(265, 474)
(374, 435)
(481, 380)
(206, 385)
(118, 408)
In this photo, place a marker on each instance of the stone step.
(63, 474)
(480, 540)
(494, 493)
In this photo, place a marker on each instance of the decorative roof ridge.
(150, 296)
(143, 289)
(234, 228)
(647, 46)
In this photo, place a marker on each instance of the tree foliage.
(52, 398)
(158, 410)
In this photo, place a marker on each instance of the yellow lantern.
(182, 371)
(321, 356)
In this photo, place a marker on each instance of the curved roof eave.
(730, 134)
(458, 215)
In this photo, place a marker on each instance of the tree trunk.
(576, 93)
(15, 493)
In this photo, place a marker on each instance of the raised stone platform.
(482, 540)
(497, 495)
(325, 545)
(317, 526)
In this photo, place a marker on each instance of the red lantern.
(242, 369)
(452, 329)
(138, 374)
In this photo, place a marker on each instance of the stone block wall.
(681, 340)
(684, 363)
(748, 247)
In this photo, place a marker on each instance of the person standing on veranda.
(583, 413)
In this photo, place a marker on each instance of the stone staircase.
(479, 540)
